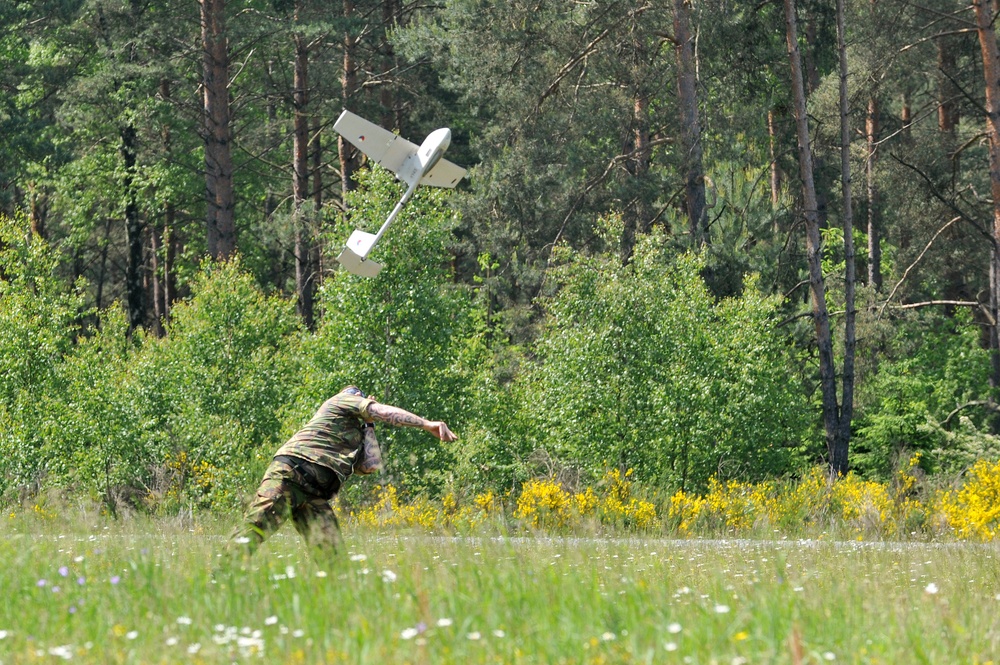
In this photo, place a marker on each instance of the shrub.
(638, 366)
(40, 320)
(973, 510)
(926, 397)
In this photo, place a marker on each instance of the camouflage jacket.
(333, 437)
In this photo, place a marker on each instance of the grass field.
(142, 592)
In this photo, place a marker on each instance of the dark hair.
(353, 390)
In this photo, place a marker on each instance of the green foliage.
(928, 397)
(215, 386)
(113, 417)
(98, 438)
(39, 320)
(638, 367)
(671, 365)
(39, 316)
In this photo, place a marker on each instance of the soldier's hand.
(440, 430)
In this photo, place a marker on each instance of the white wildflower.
(65, 652)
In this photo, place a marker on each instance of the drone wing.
(443, 174)
(382, 146)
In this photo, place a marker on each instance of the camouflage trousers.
(287, 491)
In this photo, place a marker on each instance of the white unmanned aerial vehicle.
(414, 165)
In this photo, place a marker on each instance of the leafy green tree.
(548, 95)
(98, 440)
(39, 322)
(113, 413)
(217, 383)
(33, 69)
(927, 398)
(638, 367)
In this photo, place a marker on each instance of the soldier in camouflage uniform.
(310, 468)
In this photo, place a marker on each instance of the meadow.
(83, 588)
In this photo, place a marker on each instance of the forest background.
(713, 239)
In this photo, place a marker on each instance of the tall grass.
(142, 591)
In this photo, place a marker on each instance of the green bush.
(40, 318)
(929, 396)
(639, 367)
(188, 419)
(217, 384)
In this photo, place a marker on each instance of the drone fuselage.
(426, 157)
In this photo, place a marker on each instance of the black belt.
(312, 483)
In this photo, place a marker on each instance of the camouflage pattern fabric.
(285, 493)
(333, 437)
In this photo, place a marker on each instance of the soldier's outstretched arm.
(397, 417)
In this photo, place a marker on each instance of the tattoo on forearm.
(395, 416)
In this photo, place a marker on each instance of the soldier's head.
(353, 390)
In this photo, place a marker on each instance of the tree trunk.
(947, 93)
(812, 47)
(906, 115)
(874, 232)
(991, 72)
(636, 144)
(843, 438)
(691, 150)
(102, 272)
(821, 317)
(219, 193)
(349, 158)
(773, 147)
(316, 144)
(871, 187)
(390, 17)
(637, 219)
(135, 292)
(171, 241)
(304, 270)
(162, 246)
(155, 249)
(38, 210)
(317, 171)
(164, 242)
